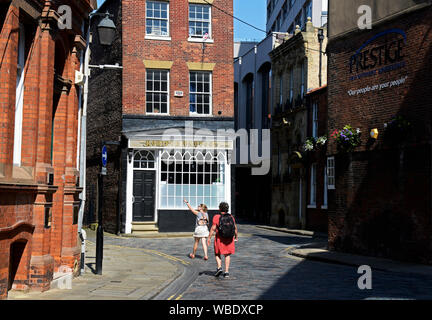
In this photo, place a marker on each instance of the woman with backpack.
(201, 229)
(226, 234)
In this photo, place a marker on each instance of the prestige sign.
(368, 60)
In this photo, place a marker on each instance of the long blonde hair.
(204, 207)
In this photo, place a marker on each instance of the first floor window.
(199, 178)
(315, 120)
(157, 91)
(313, 185)
(157, 18)
(200, 92)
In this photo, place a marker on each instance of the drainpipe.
(83, 146)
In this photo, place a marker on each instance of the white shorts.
(201, 232)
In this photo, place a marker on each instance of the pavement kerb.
(156, 235)
(358, 260)
(179, 263)
(305, 233)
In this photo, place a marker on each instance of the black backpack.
(226, 226)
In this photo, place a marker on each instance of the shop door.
(143, 195)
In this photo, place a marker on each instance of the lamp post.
(320, 40)
(106, 31)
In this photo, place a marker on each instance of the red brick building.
(39, 106)
(380, 81)
(177, 59)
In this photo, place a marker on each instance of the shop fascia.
(196, 141)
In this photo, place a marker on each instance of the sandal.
(192, 256)
(206, 258)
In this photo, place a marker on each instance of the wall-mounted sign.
(378, 87)
(178, 93)
(158, 144)
(370, 59)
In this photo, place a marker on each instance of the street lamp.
(106, 30)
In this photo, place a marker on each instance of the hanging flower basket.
(313, 144)
(347, 139)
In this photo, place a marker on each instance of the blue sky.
(251, 11)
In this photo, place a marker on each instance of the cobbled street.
(262, 269)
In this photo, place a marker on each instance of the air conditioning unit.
(79, 78)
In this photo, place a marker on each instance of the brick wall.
(178, 50)
(31, 251)
(104, 122)
(381, 205)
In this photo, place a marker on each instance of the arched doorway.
(15, 257)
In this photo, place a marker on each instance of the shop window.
(199, 178)
(157, 22)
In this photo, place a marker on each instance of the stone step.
(141, 227)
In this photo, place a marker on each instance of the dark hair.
(223, 207)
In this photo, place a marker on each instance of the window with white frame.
(144, 159)
(331, 173)
(19, 98)
(199, 178)
(325, 201)
(157, 91)
(315, 119)
(157, 21)
(199, 20)
(312, 198)
(200, 95)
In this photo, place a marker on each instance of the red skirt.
(224, 246)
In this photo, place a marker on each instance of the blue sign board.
(104, 156)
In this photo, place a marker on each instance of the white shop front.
(162, 172)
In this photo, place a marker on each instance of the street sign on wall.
(104, 156)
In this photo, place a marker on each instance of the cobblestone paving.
(261, 269)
